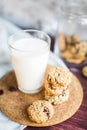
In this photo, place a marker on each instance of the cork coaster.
(15, 103)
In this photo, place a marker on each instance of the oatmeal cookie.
(58, 99)
(82, 48)
(52, 90)
(40, 111)
(58, 76)
(84, 71)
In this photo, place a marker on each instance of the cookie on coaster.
(56, 86)
(40, 111)
(58, 99)
(51, 90)
(58, 76)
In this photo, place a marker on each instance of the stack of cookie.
(56, 85)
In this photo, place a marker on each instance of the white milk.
(29, 59)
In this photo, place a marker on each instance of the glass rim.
(27, 30)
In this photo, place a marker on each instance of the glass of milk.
(29, 52)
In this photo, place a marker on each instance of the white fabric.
(7, 124)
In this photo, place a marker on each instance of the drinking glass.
(29, 50)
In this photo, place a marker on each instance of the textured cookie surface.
(58, 76)
(58, 99)
(40, 111)
(84, 71)
(51, 90)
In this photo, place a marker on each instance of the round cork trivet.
(14, 103)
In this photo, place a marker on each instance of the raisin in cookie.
(58, 76)
(40, 111)
(58, 99)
